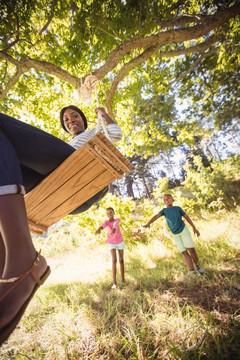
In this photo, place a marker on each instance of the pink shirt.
(113, 238)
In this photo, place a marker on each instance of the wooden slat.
(116, 174)
(69, 189)
(37, 226)
(61, 194)
(77, 179)
(78, 199)
(35, 231)
(112, 157)
(73, 164)
(113, 150)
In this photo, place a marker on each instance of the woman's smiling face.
(73, 122)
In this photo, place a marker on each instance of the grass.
(155, 315)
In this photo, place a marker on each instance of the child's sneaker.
(200, 270)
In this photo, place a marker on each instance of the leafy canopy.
(144, 53)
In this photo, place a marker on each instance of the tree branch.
(124, 70)
(11, 44)
(192, 49)
(50, 17)
(10, 84)
(106, 32)
(55, 70)
(181, 20)
(194, 65)
(47, 23)
(45, 66)
(148, 53)
(14, 41)
(171, 36)
(9, 58)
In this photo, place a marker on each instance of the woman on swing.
(27, 156)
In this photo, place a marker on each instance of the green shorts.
(183, 240)
(120, 246)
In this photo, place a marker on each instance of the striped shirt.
(114, 131)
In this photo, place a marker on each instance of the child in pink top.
(115, 241)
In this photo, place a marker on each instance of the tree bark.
(129, 183)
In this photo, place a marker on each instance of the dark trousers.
(28, 155)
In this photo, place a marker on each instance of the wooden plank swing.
(83, 174)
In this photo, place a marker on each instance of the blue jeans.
(28, 155)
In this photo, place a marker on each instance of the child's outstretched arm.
(154, 218)
(98, 230)
(192, 224)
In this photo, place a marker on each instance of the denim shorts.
(183, 240)
(120, 246)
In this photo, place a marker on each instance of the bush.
(206, 188)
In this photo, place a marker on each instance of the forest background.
(168, 72)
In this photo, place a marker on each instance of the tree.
(49, 48)
(211, 88)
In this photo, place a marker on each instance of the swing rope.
(85, 93)
(101, 121)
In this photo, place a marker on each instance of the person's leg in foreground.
(114, 267)
(23, 269)
(2, 255)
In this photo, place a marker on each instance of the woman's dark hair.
(110, 208)
(77, 110)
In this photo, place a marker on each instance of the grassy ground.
(155, 315)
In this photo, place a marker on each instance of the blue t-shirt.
(173, 216)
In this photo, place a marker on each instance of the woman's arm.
(101, 111)
(114, 131)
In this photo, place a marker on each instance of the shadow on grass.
(154, 290)
(215, 290)
(213, 296)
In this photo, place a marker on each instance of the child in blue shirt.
(180, 232)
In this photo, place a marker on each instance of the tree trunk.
(146, 188)
(129, 184)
